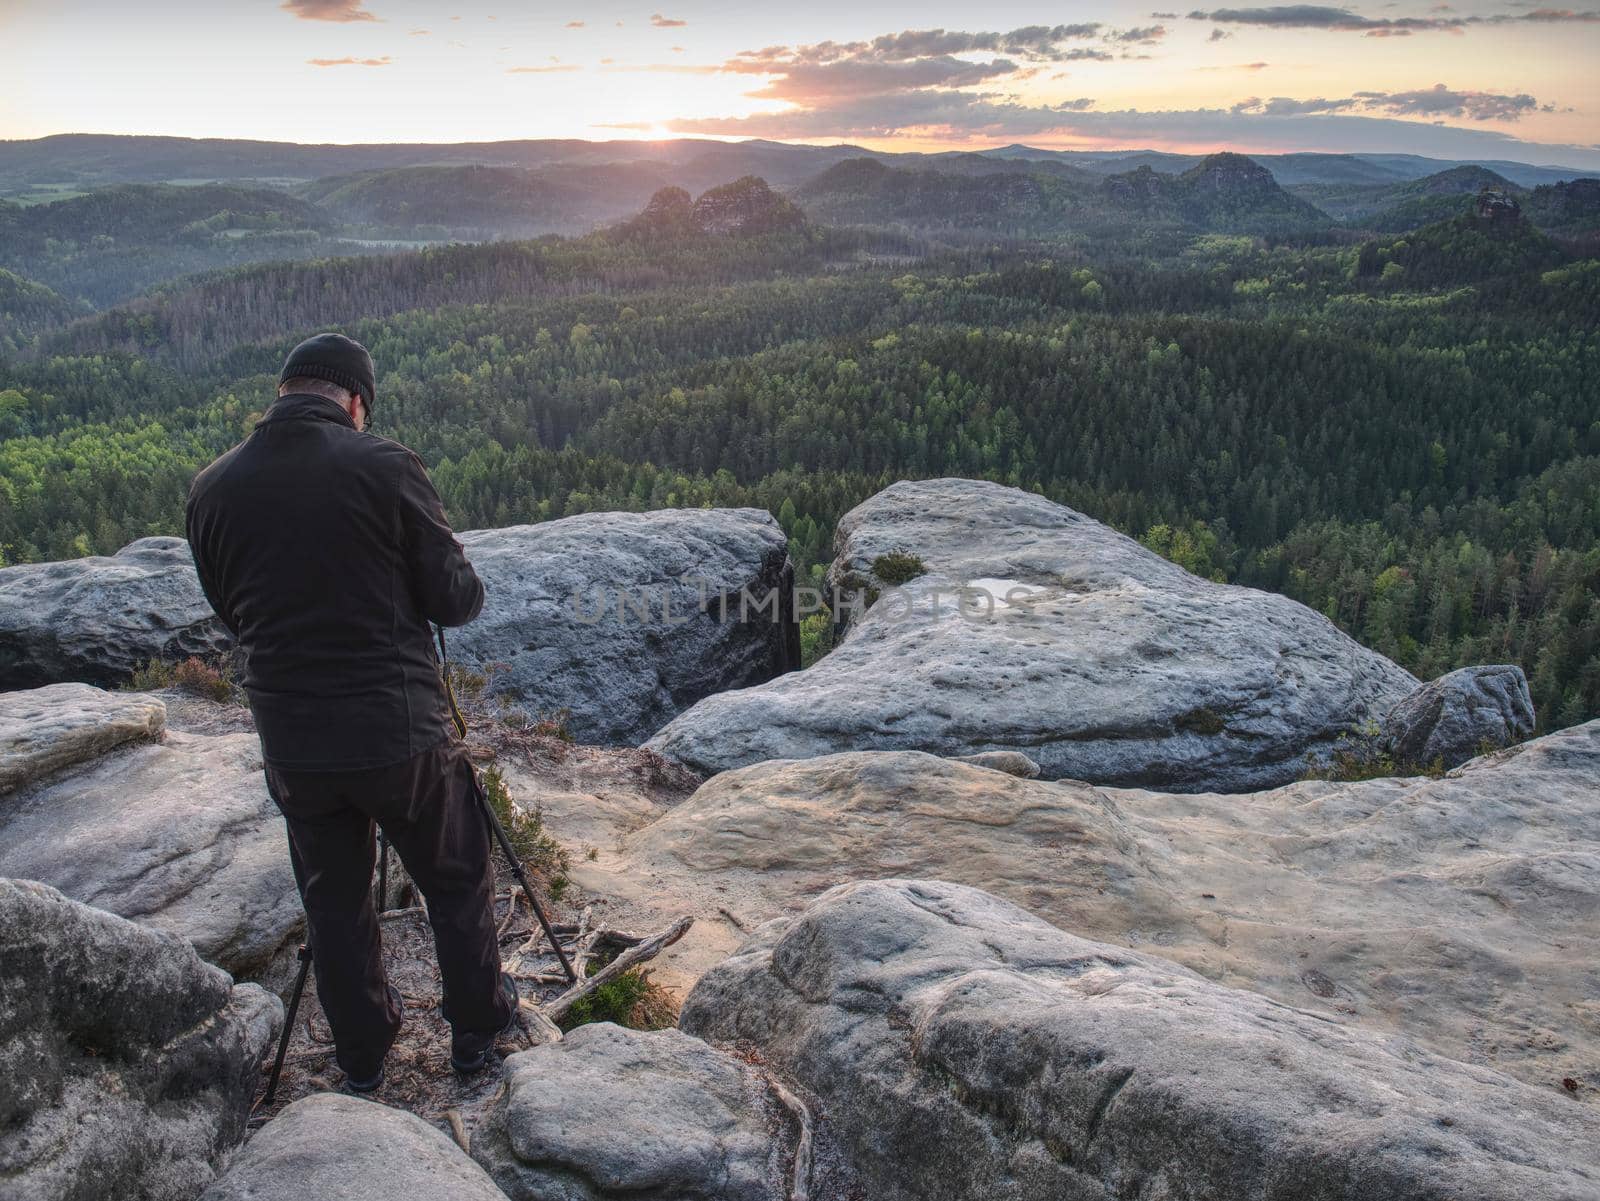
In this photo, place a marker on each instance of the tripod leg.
(288, 1024)
(504, 840)
(383, 872)
(494, 822)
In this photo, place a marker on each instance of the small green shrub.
(554, 725)
(633, 999)
(898, 567)
(200, 678)
(194, 676)
(152, 677)
(613, 1001)
(532, 843)
(816, 637)
(467, 685)
(1359, 756)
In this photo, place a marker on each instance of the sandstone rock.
(1462, 912)
(129, 1066)
(1013, 763)
(1073, 644)
(43, 730)
(98, 619)
(328, 1145)
(745, 207)
(1459, 715)
(961, 1048)
(557, 614)
(555, 624)
(608, 1114)
(179, 835)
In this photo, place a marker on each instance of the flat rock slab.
(180, 835)
(609, 1114)
(617, 618)
(129, 1066)
(329, 1145)
(1463, 912)
(964, 1049)
(43, 730)
(1072, 644)
(99, 619)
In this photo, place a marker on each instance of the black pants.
(428, 808)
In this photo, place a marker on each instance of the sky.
(1512, 79)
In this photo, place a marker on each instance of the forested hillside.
(1403, 433)
(1222, 193)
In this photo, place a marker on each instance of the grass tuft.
(535, 847)
(898, 567)
(194, 676)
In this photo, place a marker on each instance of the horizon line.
(730, 140)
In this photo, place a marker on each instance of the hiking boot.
(469, 1050)
(370, 1085)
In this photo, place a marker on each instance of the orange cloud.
(350, 61)
(327, 10)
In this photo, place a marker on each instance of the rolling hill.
(1221, 193)
(471, 202)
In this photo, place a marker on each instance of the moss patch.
(898, 567)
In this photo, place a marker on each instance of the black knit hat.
(335, 358)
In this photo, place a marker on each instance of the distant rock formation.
(328, 1145)
(743, 208)
(179, 835)
(961, 1048)
(746, 206)
(98, 619)
(1071, 644)
(669, 213)
(1226, 191)
(1496, 208)
(655, 1114)
(129, 1066)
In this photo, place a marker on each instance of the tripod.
(501, 838)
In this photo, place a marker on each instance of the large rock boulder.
(624, 619)
(620, 619)
(1461, 912)
(1459, 715)
(1072, 644)
(129, 1066)
(635, 1115)
(328, 1145)
(962, 1048)
(44, 730)
(99, 619)
(180, 835)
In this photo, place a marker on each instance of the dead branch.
(389, 915)
(645, 951)
(800, 1190)
(511, 913)
(580, 947)
(540, 1028)
(459, 1129)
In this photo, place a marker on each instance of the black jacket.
(326, 552)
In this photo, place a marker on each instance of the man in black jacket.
(326, 551)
